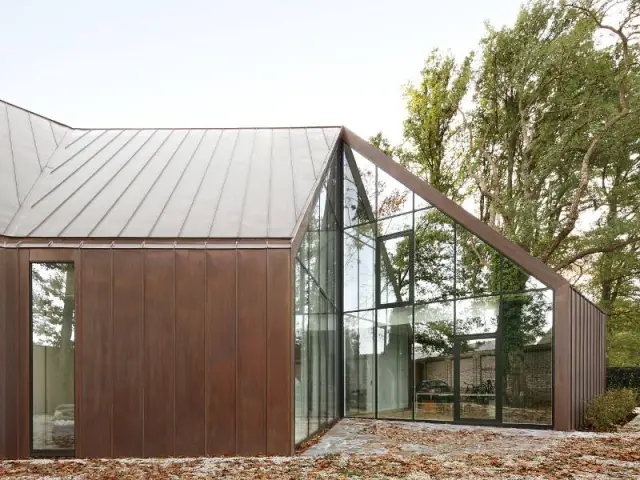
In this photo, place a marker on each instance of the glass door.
(476, 360)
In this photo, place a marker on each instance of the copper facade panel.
(562, 359)
(159, 352)
(128, 300)
(252, 352)
(190, 353)
(220, 359)
(588, 344)
(24, 353)
(3, 354)
(12, 375)
(279, 353)
(96, 358)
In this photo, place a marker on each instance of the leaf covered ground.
(391, 450)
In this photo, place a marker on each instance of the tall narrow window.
(52, 350)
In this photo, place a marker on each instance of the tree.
(53, 311)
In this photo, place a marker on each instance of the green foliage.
(605, 412)
(624, 377)
(541, 135)
(433, 107)
(53, 304)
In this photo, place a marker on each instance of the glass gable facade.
(434, 323)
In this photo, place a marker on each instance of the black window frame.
(379, 242)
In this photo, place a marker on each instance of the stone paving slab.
(363, 436)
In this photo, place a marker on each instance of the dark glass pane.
(359, 374)
(477, 266)
(528, 358)
(434, 256)
(394, 257)
(434, 365)
(395, 363)
(53, 354)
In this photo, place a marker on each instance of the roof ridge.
(36, 114)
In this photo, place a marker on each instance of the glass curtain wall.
(437, 324)
(316, 315)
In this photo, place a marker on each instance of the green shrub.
(604, 412)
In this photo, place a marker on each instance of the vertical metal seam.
(235, 339)
(126, 189)
(247, 182)
(13, 158)
(60, 204)
(82, 149)
(313, 167)
(144, 328)
(53, 134)
(107, 183)
(153, 185)
(266, 350)
(35, 144)
(204, 175)
(173, 306)
(269, 193)
(205, 310)
(111, 274)
(293, 178)
(224, 182)
(82, 135)
(175, 187)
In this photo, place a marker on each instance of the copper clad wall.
(588, 355)
(179, 352)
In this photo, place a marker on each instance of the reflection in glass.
(477, 266)
(400, 223)
(301, 369)
(393, 196)
(359, 267)
(528, 357)
(515, 279)
(477, 315)
(315, 312)
(478, 379)
(434, 365)
(395, 363)
(400, 253)
(434, 256)
(359, 374)
(394, 259)
(53, 346)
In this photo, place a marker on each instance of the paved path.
(361, 436)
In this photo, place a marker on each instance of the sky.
(198, 63)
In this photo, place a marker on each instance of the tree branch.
(612, 247)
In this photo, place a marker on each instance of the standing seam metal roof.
(62, 182)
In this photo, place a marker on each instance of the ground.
(369, 449)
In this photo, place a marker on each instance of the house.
(227, 291)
